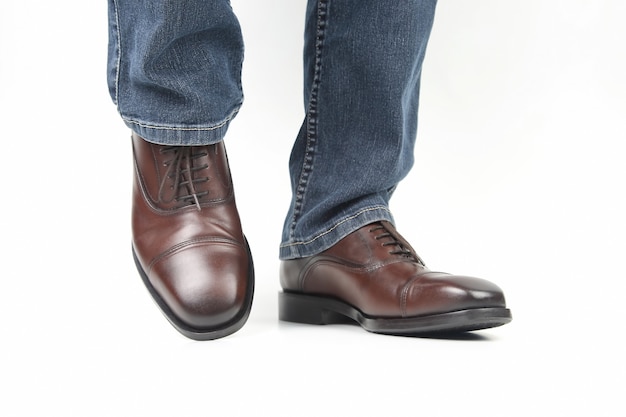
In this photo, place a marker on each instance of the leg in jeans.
(174, 73)
(342, 256)
(363, 62)
(174, 68)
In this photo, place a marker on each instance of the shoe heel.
(307, 309)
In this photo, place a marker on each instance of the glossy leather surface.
(187, 236)
(376, 271)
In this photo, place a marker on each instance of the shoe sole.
(311, 309)
(200, 333)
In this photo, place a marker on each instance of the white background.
(519, 178)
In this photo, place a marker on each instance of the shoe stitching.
(189, 243)
(404, 295)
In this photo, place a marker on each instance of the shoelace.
(400, 249)
(182, 172)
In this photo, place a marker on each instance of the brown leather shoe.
(374, 277)
(187, 239)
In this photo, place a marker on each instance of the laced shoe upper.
(175, 177)
(376, 270)
(187, 233)
(183, 181)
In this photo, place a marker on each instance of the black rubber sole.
(196, 333)
(311, 309)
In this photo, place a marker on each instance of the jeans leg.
(174, 68)
(362, 61)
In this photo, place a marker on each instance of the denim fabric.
(363, 62)
(174, 68)
(174, 73)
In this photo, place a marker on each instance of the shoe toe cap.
(440, 293)
(205, 285)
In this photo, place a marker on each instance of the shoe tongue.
(194, 175)
(392, 243)
(384, 237)
(162, 173)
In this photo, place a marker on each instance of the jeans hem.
(180, 135)
(328, 238)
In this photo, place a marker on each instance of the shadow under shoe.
(188, 244)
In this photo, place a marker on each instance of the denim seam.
(347, 219)
(311, 118)
(118, 63)
(181, 128)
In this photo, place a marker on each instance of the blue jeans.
(174, 72)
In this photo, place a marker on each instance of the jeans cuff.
(328, 238)
(179, 136)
